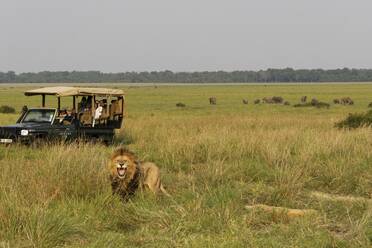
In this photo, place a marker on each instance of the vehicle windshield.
(39, 115)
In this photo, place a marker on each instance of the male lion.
(127, 174)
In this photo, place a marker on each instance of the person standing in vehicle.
(82, 104)
(98, 112)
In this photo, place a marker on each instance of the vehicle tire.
(109, 141)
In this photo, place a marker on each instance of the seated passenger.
(69, 117)
(85, 118)
(62, 113)
(89, 103)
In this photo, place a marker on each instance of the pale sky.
(188, 35)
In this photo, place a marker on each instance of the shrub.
(314, 101)
(277, 99)
(298, 105)
(273, 100)
(287, 103)
(356, 120)
(180, 105)
(267, 100)
(257, 101)
(322, 105)
(245, 101)
(7, 109)
(313, 104)
(370, 105)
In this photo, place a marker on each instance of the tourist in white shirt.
(98, 113)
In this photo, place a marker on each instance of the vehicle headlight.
(24, 132)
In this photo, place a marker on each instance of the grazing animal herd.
(280, 100)
(314, 102)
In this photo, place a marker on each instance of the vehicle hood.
(30, 125)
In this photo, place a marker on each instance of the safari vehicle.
(94, 115)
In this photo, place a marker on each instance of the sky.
(188, 35)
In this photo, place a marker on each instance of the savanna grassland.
(214, 160)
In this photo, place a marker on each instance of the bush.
(298, 105)
(180, 105)
(312, 104)
(356, 120)
(7, 109)
(273, 100)
(322, 105)
(277, 99)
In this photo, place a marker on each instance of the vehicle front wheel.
(108, 141)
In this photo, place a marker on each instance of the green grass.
(214, 161)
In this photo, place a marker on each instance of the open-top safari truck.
(94, 114)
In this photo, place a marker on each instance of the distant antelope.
(212, 100)
(346, 101)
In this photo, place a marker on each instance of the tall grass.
(213, 166)
(213, 163)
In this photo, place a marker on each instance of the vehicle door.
(63, 131)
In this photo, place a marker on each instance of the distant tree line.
(269, 75)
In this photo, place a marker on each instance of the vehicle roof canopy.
(74, 91)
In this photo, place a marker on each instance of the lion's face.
(122, 166)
